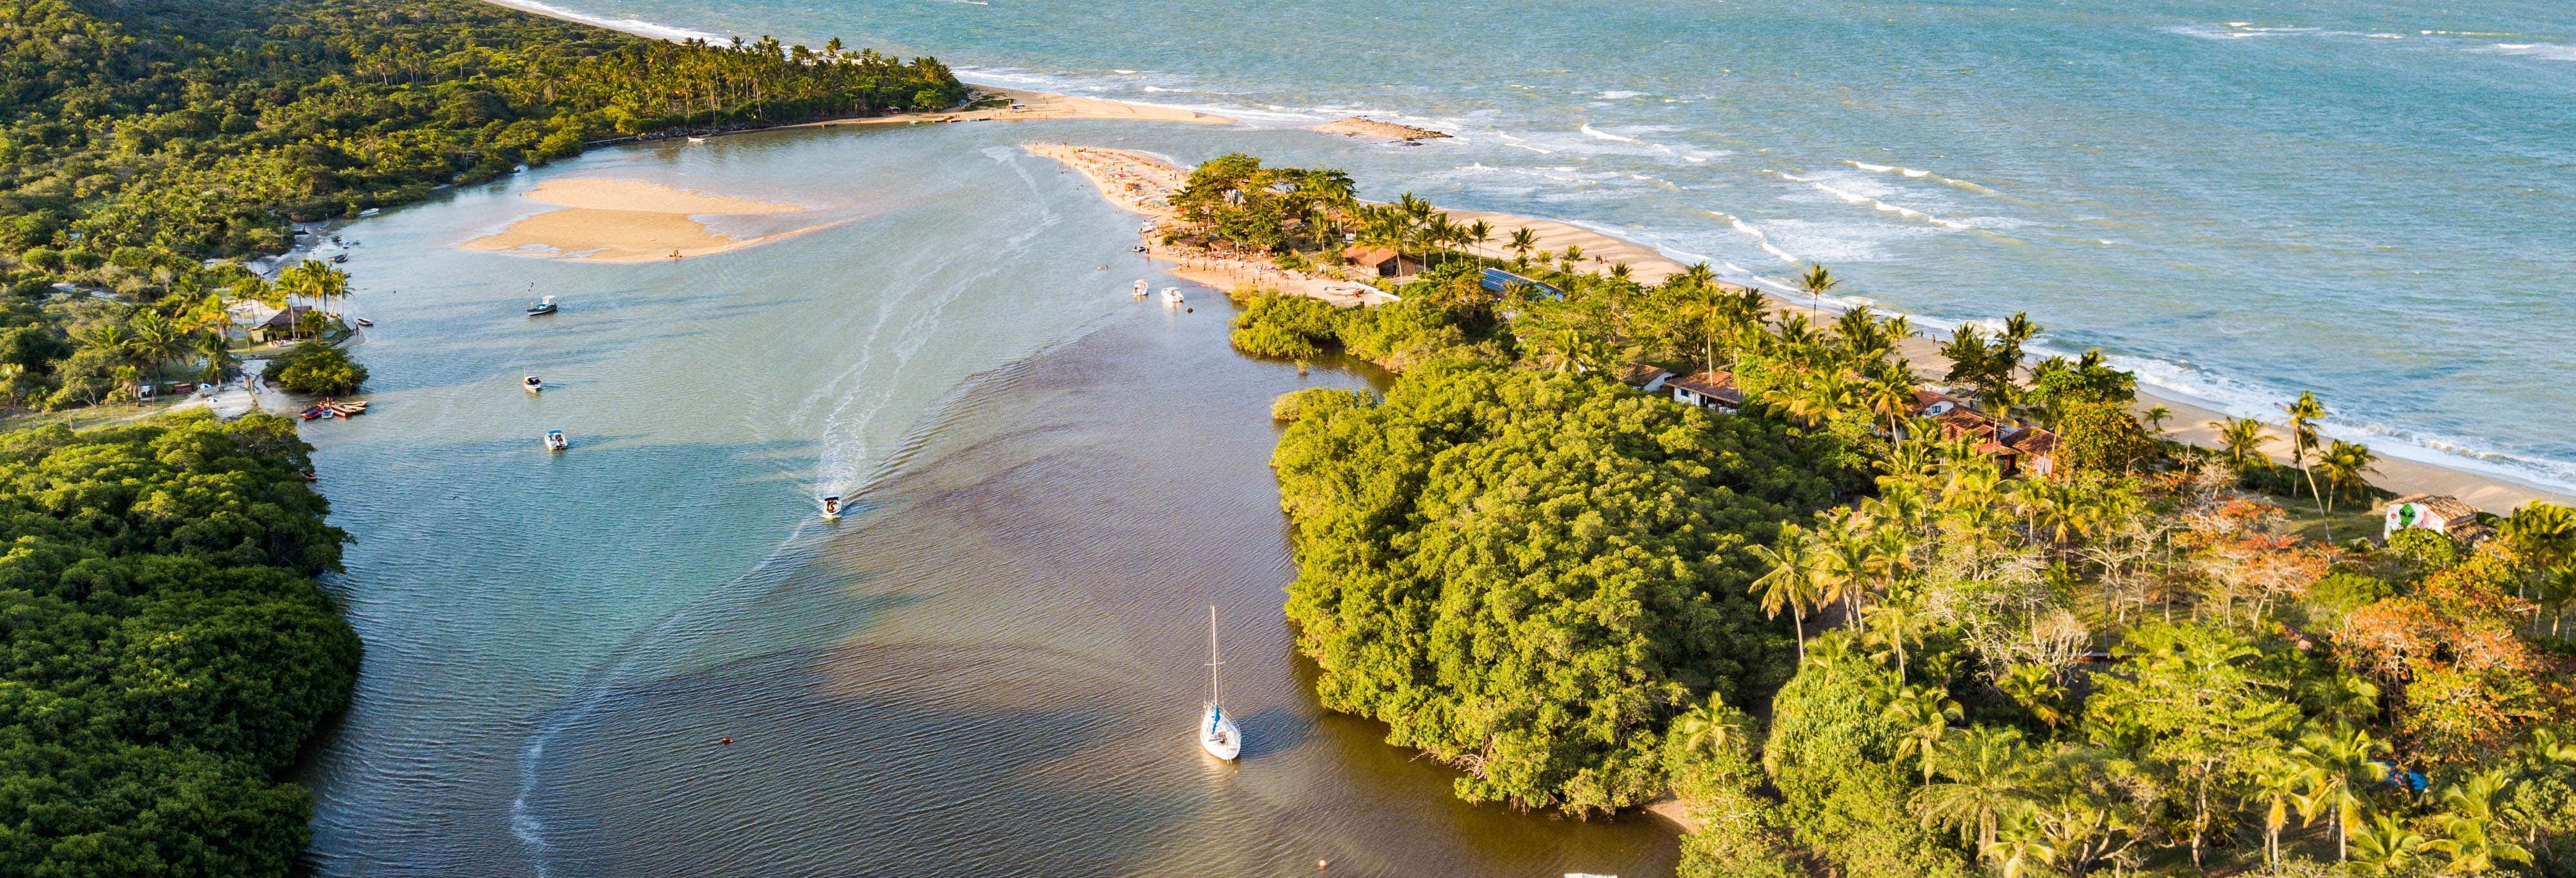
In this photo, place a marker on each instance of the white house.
(2441, 513)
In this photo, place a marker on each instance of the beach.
(618, 221)
(1142, 184)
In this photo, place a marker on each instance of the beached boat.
(1172, 296)
(333, 409)
(555, 441)
(832, 508)
(533, 383)
(1217, 732)
(372, 211)
(1141, 289)
(544, 305)
(697, 140)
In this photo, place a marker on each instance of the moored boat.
(533, 383)
(365, 322)
(555, 441)
(1217, 732)
(543, 305)
(1140, 288)
(1172, 296)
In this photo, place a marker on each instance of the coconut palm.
(1522, 242)
(1852, 559)
(155, 340)
(1709, 728)
(219, 358)
(1895, 621)
(2303, 417)
(2336, 767)
(2155, 417)
(1984, 770)
(2344, 464)
(1922, 715)
(1789, 580)
(2020, 847)
(1816, 281)
(2242, 440)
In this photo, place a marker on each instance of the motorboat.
(555, 441)
(339, 257)
(1217, 732)
(697, 140)
(544, 305)
(1141, 290)
(533, 383)
(372, 211)
(832, 508)
(1172, 296)
(365, 322)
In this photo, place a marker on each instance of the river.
(990, 667)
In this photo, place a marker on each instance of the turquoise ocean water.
(2239, 200)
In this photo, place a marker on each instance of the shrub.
(314, 367)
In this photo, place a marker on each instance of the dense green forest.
(2127, 665)
(148, 144)
(168, 648)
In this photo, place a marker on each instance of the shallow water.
(2373, 200)
(991, 667)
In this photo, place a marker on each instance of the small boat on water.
(365, 322)
(1217, 732)
(372, 211)
(545, 305)
(1172, 296)
(697, 139)
(339, 257)
(832, 508)
(555, 441)
(1141, 290)
(533, 383)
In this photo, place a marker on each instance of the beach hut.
(2440, 513)
(1385, 261)
(1644, 377)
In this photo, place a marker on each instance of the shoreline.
(1136, 182)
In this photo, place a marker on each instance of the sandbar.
(1363, 126)
(618, 221)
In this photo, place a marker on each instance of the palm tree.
(1790, 582)
(1853, 558)
(2303, 432)
(219, 357)
(1922, 714)
(2276, 788)
(2156, 416)
(1895, 620)
(2335, 767)
(1523, 241)
(2344, 464)
(2388, 847)
(2471, 810)
(1816, 281)
(1985, 769)
(1890, 394)
(156, 340)
(1710, 727)
(2242, 439)
(2020, 848)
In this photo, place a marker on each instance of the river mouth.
(992, 666)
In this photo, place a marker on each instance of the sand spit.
(1363, 126)
(623, 221)
(1027, 105)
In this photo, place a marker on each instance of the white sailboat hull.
(1219, 736)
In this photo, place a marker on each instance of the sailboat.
(1217, 732)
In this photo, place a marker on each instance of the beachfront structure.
(2440, 513)
(281, 323)
(1644, 377)
(1714, 389)
(249, 315)
(1496, 280)
(2030, 452)
(1384, 261)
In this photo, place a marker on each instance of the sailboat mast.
(1214, 694)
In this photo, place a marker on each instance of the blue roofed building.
(1496, 279)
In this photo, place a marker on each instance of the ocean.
(2375, 201)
